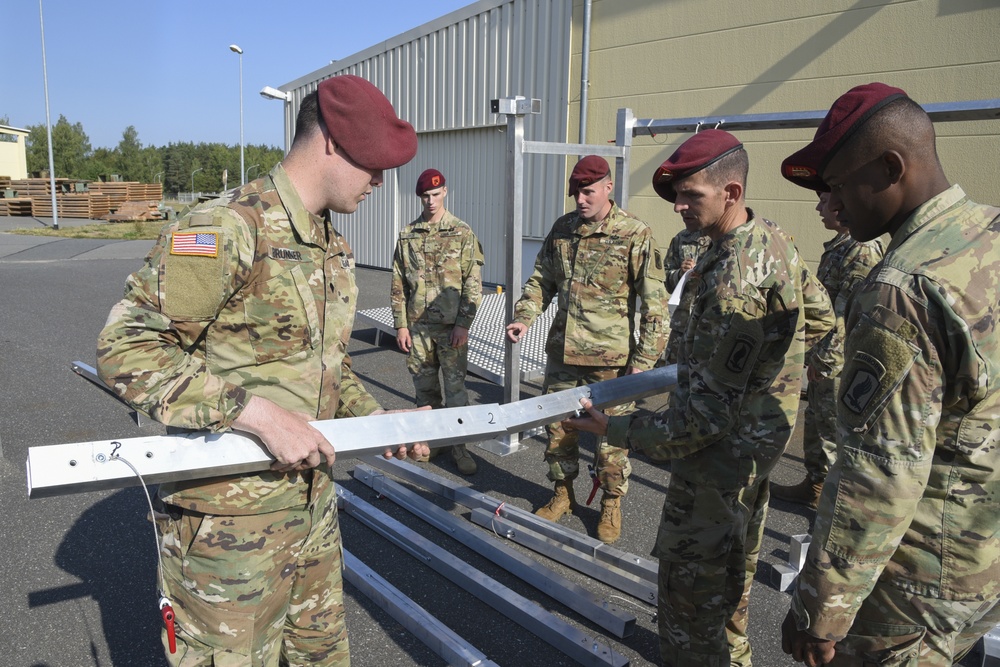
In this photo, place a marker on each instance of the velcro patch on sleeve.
(736, 353)
(880, 354)
(192, 286)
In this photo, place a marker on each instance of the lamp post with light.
(238, 51)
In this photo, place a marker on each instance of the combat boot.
(463, 459)
(805, 492)
(609, 528)
(563, 501)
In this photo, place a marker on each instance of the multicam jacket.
(914, 497)
(739, 376)
(436, 274)
(250, 294)
(845, 263)
(597, 270)
(685, 245)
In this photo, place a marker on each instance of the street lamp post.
(156, 179)
(192, 180)
(238, 51)
(249, 169)
(48, 124)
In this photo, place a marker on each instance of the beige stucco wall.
(13, 160)
(688, 58)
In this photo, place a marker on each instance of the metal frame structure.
(627, 572)
(600, 611)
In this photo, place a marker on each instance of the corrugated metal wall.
(441, 77)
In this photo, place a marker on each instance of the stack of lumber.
(117, 192)
(76, 205)
(135, 210)
(145, 191)
(15, 206)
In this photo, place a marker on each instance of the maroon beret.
(362, 121)
(429, 180)
(699, 151)
(588, 171)
(850, 111)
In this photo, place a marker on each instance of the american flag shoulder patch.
(204, 244)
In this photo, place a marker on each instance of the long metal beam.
(988, 109)
(584, 545)
(576, 597)
(624, 581)
(98, 465)
(585, 649)
(437, 636)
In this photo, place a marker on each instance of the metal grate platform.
(486, 339)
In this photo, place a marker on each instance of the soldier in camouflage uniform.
(684, 251)
(844, 264)
(727, 424)
(597, 260)
(436, 288)
(240, 320)
(904, 566)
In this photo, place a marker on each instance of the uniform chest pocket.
(605, 263)
(281, 316)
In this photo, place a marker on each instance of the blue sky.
(166, 67)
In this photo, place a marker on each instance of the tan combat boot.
(463, 459)
(805, 492)
(563, 501)
(609, 528)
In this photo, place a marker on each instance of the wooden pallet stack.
(73, 205)
(117, 191)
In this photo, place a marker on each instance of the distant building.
(13, 153)
(678, 59)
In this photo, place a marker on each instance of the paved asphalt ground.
(77, 572)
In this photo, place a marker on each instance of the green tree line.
(173, 164)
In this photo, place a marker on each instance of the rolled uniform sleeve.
(472, 281)
(143, 351)
(540, 288)
(648, 272)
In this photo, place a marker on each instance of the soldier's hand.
(803, 647)
(459, 336)
(516, 331)
(596, 422)
(291, 439)
(632, 370)
(687, 264)
(403, 340)
(414, 450)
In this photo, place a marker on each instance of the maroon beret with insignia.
(699, 151)
(362, 121)
(431, 179)
(588, 171)
(850, 111)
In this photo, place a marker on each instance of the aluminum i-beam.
(437, 636)
(626, 582)
(581, 647)
(96, 465)
(640, 567)
(553, 584)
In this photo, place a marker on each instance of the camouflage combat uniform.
(728, 422)
(436, 286)
(905, 555)
(596, 270)
(685, 245)
(843, 265)
(250, 294)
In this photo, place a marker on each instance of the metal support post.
(437, 636)
(623, 139)
(991, 648)
(553, 584)
(553, 630)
